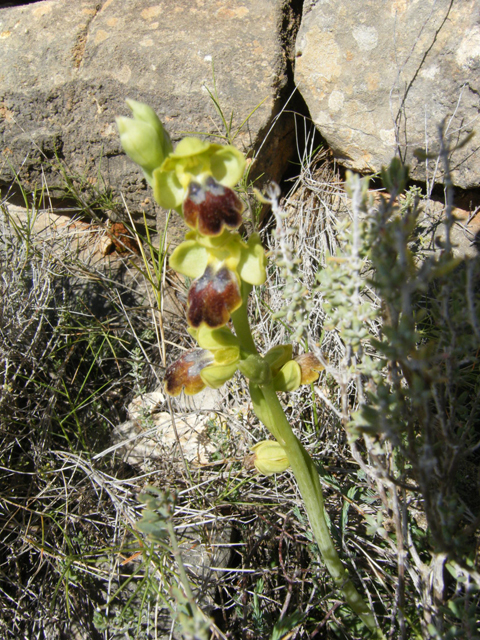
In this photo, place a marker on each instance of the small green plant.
(197, 179)
(157, 523)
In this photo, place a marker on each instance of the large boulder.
(380, 77)
(67, 67)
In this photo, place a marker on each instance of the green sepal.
(193, 332)
(188, 147)
(167, 190)
(289, 378)
(228, 355)
(256, 369)
(213, 339)
(278, 356)
(189, 258)
(251, 267)
(228, 165)
(194, 159)
(216, 374)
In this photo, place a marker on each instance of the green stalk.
(241, 323)
(271, 413)
(269, 410)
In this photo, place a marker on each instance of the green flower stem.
(306, 474)
(269, 410)
(241, 323)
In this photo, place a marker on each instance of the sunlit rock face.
(67, 68)
(380, 77)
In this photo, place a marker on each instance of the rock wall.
(379, 78)
(66, 69)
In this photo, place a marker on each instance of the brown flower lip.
(184, 373)
(211, 207)
(213, 297)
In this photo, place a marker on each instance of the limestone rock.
(145, 445)
(381, 76)
(66, 69)
(149, 435)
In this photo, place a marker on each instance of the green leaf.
(286, 624)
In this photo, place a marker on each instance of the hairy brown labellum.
(211, 207)
(213, 297)
(184, 373)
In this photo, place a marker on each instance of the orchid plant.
(197, 180)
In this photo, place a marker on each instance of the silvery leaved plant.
(197, 180)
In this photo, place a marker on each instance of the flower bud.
(143, 113)
(143, 138)
(269, 457)
(140, 143)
